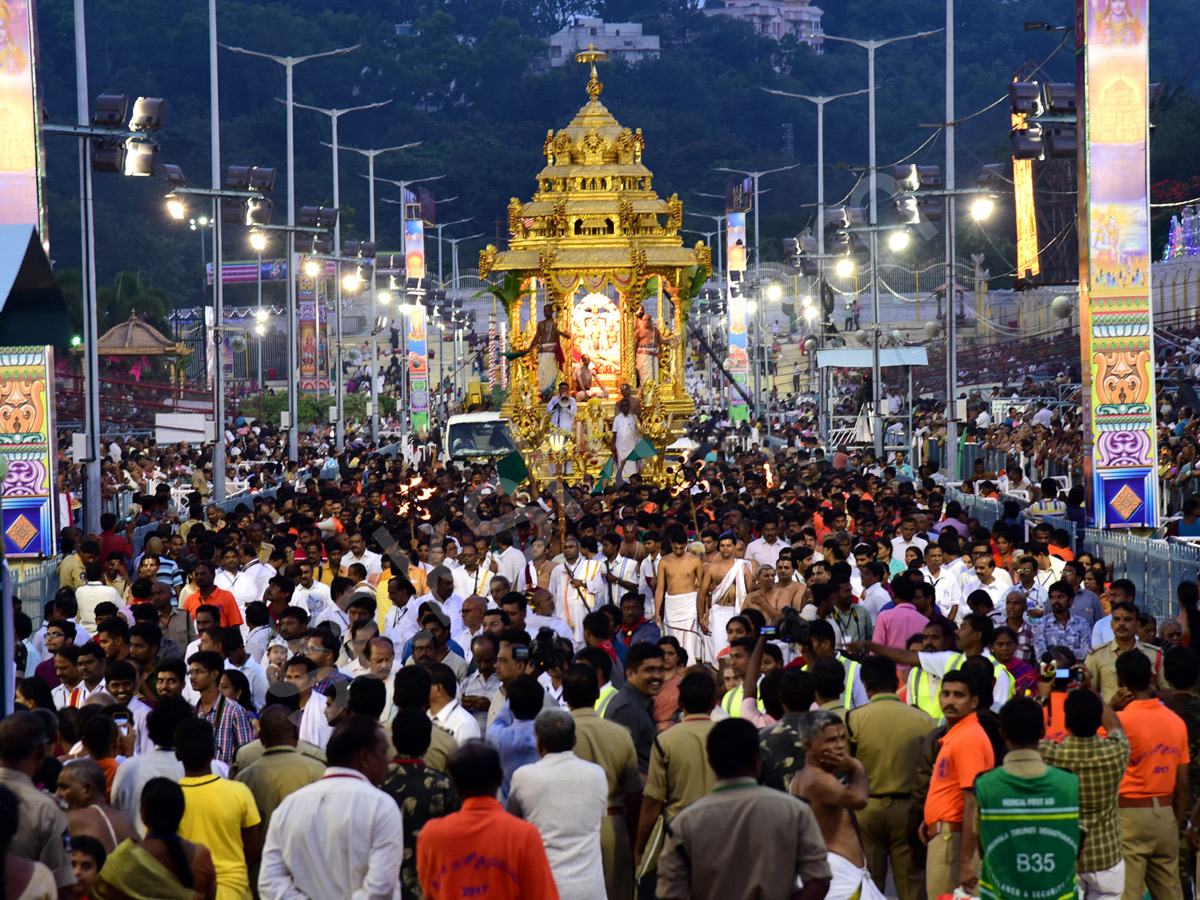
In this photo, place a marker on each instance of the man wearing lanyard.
(571, 585)
(620, 572)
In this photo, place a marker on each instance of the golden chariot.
(596, 243)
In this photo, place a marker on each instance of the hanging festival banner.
(1116, 327)
(29, 512)
(22, 156)
(739, 359)
(418, 369)
(414, 248)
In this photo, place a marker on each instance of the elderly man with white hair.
(566, 799)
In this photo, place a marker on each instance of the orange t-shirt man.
(965, 754)
(483, 851)
(1158, 744)
(222, 599)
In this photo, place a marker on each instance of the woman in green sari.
(163, 866)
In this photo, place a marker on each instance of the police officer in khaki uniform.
(1101, 663)
(412, 692)
(679, 773)
(609, 746)
(885, 735)
(42, 834)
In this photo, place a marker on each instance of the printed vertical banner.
(29, 510)
(306, 333)
(739, 361)
(324, 372)
(414, 248)
(735, 242)
(22, 157)
(418, 369)
(1027, 237)
(1116, 327)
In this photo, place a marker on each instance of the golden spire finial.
(593, 56)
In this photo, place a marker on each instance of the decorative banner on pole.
(739, 359)
(1028, 265)
(418, 368)
(247, 272)
(503, 350)
(414, 248)
(1116, 328)
(29, 513)
(491, 373)
(306, 332)
(735, 242)
(22, 162)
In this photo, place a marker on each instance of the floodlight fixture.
(141, 157)
(1059, 99)
(261, 316)
(1061, 141)
(982, 208)
(258, 241)
(844, 268)
(262, 179)
(237, 178)
(110, 110)
(176, 208)
(312, 268)
(258, 211)
(898, 241)
(1027, 143)
(774, 293)
(148, 114)
(1025, 98)
(318, 217)
(351, 281)
(384, 296)
(174, 175)
(233, 210)
(991, 177)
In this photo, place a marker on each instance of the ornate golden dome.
(594, 200)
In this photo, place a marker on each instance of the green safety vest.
(848, 689)
(1029, 831)
(732, 702)
(928, 700)
(606, 694)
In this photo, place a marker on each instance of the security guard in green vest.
(740, 652)
(975, 635)
(601, 662)
(885, 735)
(609, 746)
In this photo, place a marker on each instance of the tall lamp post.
(720, 223)
(440, 226)
(258, 241)
(760, 350)
(873, 219)
(289, 63)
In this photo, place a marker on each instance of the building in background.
(775, 18)
(620, 40)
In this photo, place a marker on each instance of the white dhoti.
(547, 368)
(589, 393)
(647, 364)
(848, 881)
(627, 437)
(718, 619)
(681, 621)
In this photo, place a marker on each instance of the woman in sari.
(666, 702)
(163, 866)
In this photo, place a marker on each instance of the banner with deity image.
(22, 156)
(414, 248)
(1116, 327)
(418, 369)
(29, 511)
(739, 358)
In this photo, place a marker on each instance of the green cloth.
(130, 873)
(644, 450)
(606, 475)
(512, 471)
(1029, 831)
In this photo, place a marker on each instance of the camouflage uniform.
(422, 794)
(782, 751)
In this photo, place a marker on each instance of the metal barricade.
(33, 585)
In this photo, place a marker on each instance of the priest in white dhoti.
(587, 385)
(575, 584)
(626, 435)
(728, 596)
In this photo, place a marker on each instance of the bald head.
(276, 727)
(542, 602)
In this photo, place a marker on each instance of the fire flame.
(770, 475)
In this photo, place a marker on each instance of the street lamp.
(289, 63)
(898, 241)
(312, 268)
(871, 46)
(774, 293)
(844, 267)
(982, 208)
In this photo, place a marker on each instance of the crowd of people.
(391, 679)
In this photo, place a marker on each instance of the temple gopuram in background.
(596, 246)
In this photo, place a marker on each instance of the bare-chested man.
(722, 593)
(585, 383)
(765, 597)
(676, 594)
(708, 537)
(548, 340)
(791, 590)
(648, 340)
(833, 802)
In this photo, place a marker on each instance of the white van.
(477, 437)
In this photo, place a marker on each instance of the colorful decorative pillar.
(1116, 327)
(29, 519)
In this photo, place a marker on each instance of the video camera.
(545, 652)
(792, 630)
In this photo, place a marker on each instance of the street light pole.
(871, 46)
(760, 358)
(952, 461)
(440, 226)
(91, 313)
(289, 63)
(720, 221)
(820, 102)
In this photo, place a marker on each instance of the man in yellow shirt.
(220, 814)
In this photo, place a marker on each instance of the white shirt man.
(561, 410)
(468, 583)
(622, 568)
(250, 583)
(648, 571)
(372, 562)
(452, 718)
(761, 552)
(900, 545)
(314, 726)
(534, 622)
(91, 594)
(573, 603)
(947, 591)
(568, 820)
(510, 563)
(1042, 417)
(339, 837)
